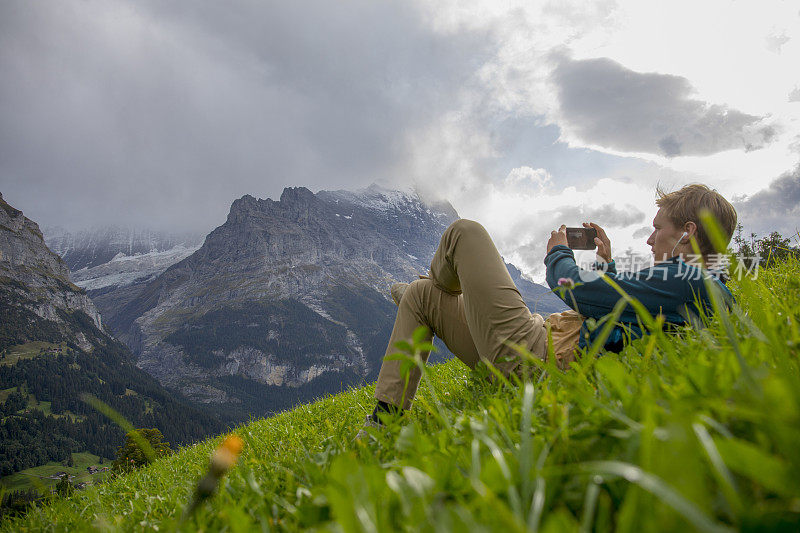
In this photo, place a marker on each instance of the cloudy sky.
(523, 115)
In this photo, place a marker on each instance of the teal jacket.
(673, 289)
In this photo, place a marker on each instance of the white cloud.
(536, 178)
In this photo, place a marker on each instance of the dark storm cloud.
(161, 113)
(775, 208)
(606, 104)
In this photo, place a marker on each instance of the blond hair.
(684, 206)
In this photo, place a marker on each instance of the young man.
(671, 287)
(469, 301)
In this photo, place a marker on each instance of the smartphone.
(581, 238)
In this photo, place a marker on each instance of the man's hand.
(557, 237)
(602, 241)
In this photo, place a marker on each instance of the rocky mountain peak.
(299, 204)
(291, 198)
(281, 293)
(297, 195)
(244, 204)
(30, 272)
(22, 247)
(10, 211)
(284, 293)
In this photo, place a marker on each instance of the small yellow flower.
(225, 456)
(222, 460)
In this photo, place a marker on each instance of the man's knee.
(415, 293)
(416, 300)
(463, 225)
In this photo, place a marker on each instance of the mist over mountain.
(93, 247)
(117, 257)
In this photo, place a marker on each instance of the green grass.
(28, 351)
(36, 478)
(699, 431)
(5, 393)
(43, 406)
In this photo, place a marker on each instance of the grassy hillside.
(699, 430)
(29, 350)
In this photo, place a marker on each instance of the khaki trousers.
(471, 303)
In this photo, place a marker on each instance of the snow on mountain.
(124, 270)
(114, 256)
(97, 246)
(377, 198)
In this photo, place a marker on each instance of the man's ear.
(691, 229)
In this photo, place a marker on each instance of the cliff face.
(285, 293)
(29, 270)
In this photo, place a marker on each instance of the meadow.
(694, 430)
(38, 477)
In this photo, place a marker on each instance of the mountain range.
(286, 300)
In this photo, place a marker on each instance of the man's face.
(664, 237)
